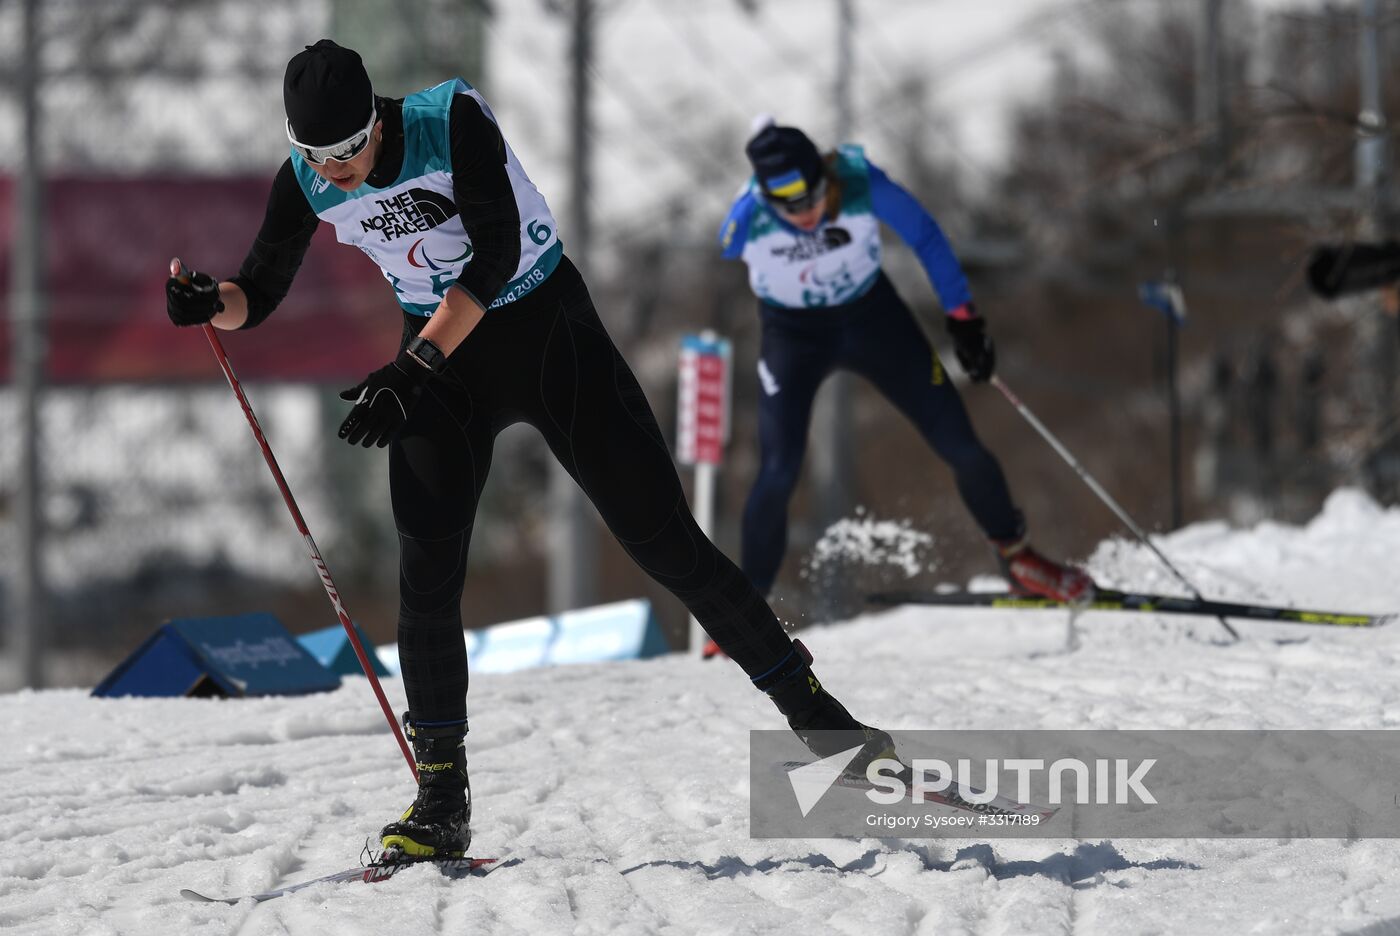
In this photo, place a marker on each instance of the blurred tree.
(1121, 170)
(1117, 138)
(142, 85)
(410, 46)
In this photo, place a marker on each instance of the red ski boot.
(1030, 573)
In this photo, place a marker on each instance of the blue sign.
(245, 655)
(625, 630)
(1166, 297)
(622, 630)
(332, 649)
(514, 646)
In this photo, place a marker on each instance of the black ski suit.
(546, 360)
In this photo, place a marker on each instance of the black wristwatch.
(428, 354)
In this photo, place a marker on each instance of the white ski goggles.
(343, 151)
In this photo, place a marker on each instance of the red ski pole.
(331, 592)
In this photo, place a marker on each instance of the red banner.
(107, 250)
(702, 420)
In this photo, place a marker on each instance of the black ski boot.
(817, 718)
(438, 824)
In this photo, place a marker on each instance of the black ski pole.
(1102, 494)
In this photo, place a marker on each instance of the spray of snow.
(865, 540)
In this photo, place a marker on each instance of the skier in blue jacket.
(808, 227)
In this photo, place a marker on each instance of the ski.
(997, 806)
(369, 874)
(1106, 599)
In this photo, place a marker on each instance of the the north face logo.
(835, 237)
(811, 246)
(411, 212)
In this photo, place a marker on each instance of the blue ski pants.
(876, 337)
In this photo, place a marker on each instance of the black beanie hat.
(327, 94)
(785, 162)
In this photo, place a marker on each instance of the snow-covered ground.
(623, 787)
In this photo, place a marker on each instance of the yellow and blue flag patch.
(789, 185)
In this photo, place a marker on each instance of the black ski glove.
(192, 299)
(973, 346)
(383, 401)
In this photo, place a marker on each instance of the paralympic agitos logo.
(411, 212)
